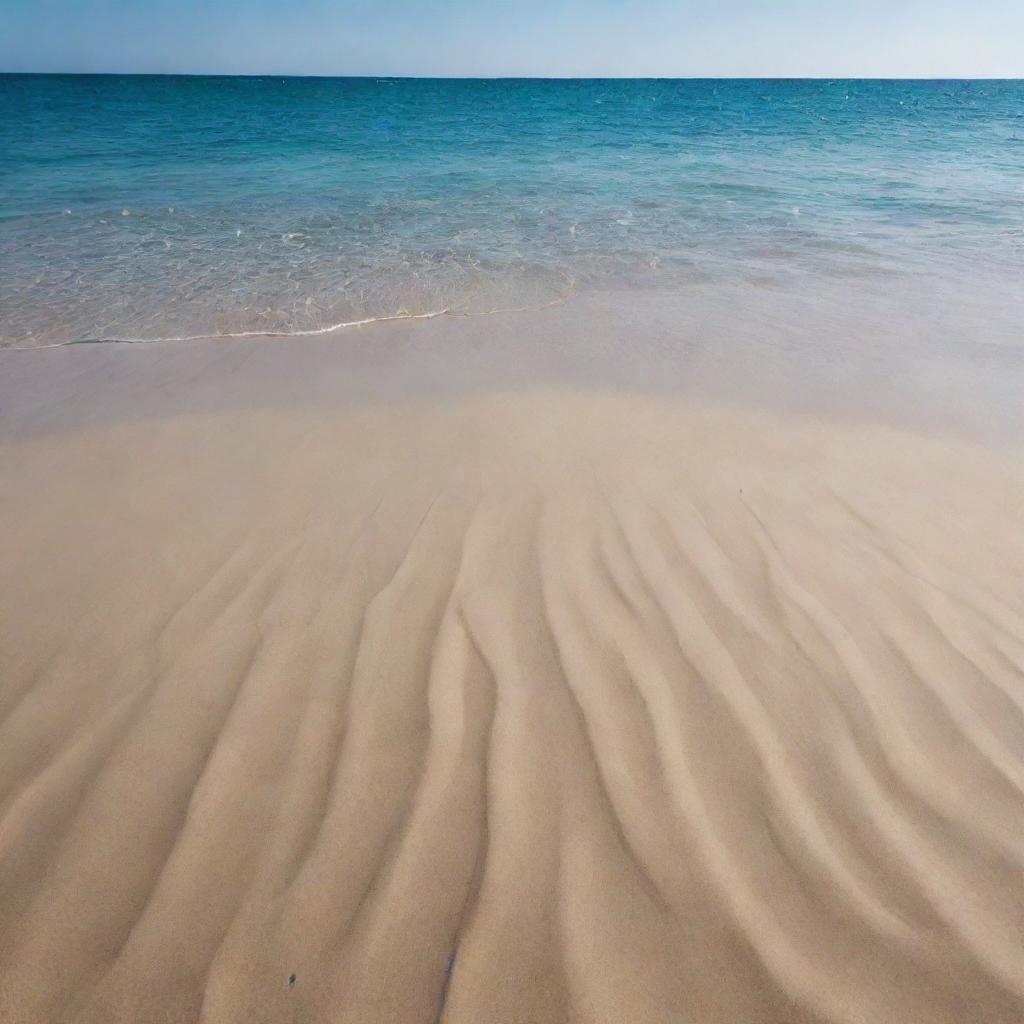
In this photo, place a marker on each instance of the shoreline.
(707, 347)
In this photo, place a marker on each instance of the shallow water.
(166, 207)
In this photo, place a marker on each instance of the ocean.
(886, 214)
(157, 207)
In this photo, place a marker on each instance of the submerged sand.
(528, 707)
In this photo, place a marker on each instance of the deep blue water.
(149, 207)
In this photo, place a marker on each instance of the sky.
(529, 38)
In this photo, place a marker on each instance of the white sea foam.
(307, 332)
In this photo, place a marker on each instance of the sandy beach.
(522, 705)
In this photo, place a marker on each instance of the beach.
(333, 691)
(510, 551)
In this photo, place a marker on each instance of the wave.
(303, 332)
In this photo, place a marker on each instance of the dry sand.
(527, 707)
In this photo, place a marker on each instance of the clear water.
(167, 207)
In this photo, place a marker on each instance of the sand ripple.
(534, 708)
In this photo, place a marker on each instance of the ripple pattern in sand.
(533, 709)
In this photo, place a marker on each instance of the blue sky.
(926, 38)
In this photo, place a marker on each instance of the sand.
(524, 706)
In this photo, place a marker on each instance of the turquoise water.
(167, 207)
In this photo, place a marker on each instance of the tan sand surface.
(521, 708)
